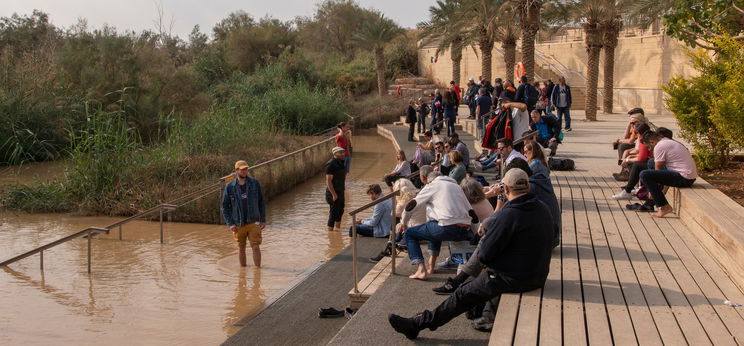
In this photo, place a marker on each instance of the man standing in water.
(245, 212)
(335, 181)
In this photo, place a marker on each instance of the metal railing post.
(161, 225)
(41, 260)
(90, 238)
(392, 240)
(354, 253)
(119, 232)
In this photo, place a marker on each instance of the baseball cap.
(517, 180)
(241, 164)
(337, 149)
(471, 78)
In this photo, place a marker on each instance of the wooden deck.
(619, 277)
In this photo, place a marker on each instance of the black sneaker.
(449, 287)
(377, 258)
(329, 313)
(405, 326)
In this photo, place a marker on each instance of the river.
(189, 290)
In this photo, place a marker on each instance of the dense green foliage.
(708, 107)
(142, 118)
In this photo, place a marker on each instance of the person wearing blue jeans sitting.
(673, 166)
(448, 220)
(381, 222)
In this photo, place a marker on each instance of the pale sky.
(139, 15)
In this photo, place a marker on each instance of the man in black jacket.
(411, 119)
(515, 251)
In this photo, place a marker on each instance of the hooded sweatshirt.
(541, 186)
(518, 241)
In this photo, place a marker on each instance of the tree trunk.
(530, 25)
(456, 56)
(486, 47)
(593, 50)
(611, 33)
(609, 71)
(510, 59)
(380, 65)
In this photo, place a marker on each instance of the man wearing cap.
(515, 251)
(335, 184)
(244, 212)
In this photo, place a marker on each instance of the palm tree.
(590, 14)
(529, 19)
(444, 27)
(508, 34)
(610, 34)
(373, 35)
(480, 18)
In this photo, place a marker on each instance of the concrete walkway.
(293, 318)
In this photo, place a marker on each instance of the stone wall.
(642, 65)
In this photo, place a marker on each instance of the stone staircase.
(412, 87)
(544, 72)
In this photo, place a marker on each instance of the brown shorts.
(250, 231)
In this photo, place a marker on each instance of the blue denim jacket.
(231, 211)
(382, 218)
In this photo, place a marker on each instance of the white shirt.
(514, 154)
(520, 123)
(444, 201)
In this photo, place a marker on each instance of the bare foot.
(663, 211)
(418, 276)
(430, 270)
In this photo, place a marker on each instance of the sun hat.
(337, 149)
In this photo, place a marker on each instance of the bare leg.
(420, 273)
(256, 255)
(330, 229)
(432, 264)
(241, 255)
(663, 211)
(337, 226)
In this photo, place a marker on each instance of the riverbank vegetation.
(146, 117)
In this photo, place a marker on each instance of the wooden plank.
(506, 320)
(550, 309)
(645, 329)
(527, 329)
(597, 323)
(666, 323)
(574, 326)
(623, 332)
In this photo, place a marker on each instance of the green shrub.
(41, 197)
(706, 106)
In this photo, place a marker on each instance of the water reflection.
(189, 290)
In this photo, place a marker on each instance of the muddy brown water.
(190, 290)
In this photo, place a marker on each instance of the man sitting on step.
(515, 251)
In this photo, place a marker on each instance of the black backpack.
(561, 164)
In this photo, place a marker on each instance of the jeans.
(474, 294)
(336, 207)
(635, 175)
(656, 179)
(363, 230)
(548, 110)
(451, 125)
(421, 127)
(411, 129)
(472, 109)
(561, 112)
(546, 143)
(347, 163)
(435, 118)
(435, 234)
(491, 161)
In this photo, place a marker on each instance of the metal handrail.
(88, 232)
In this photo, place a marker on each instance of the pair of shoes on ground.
(446, 264)
(646, 208)
(333, 313)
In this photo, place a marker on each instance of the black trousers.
(421, 123)
(635, 174)
(336, 207)
(411, 129)
(392, 179)
(473, 295)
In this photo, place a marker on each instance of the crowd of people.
(651, 161)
